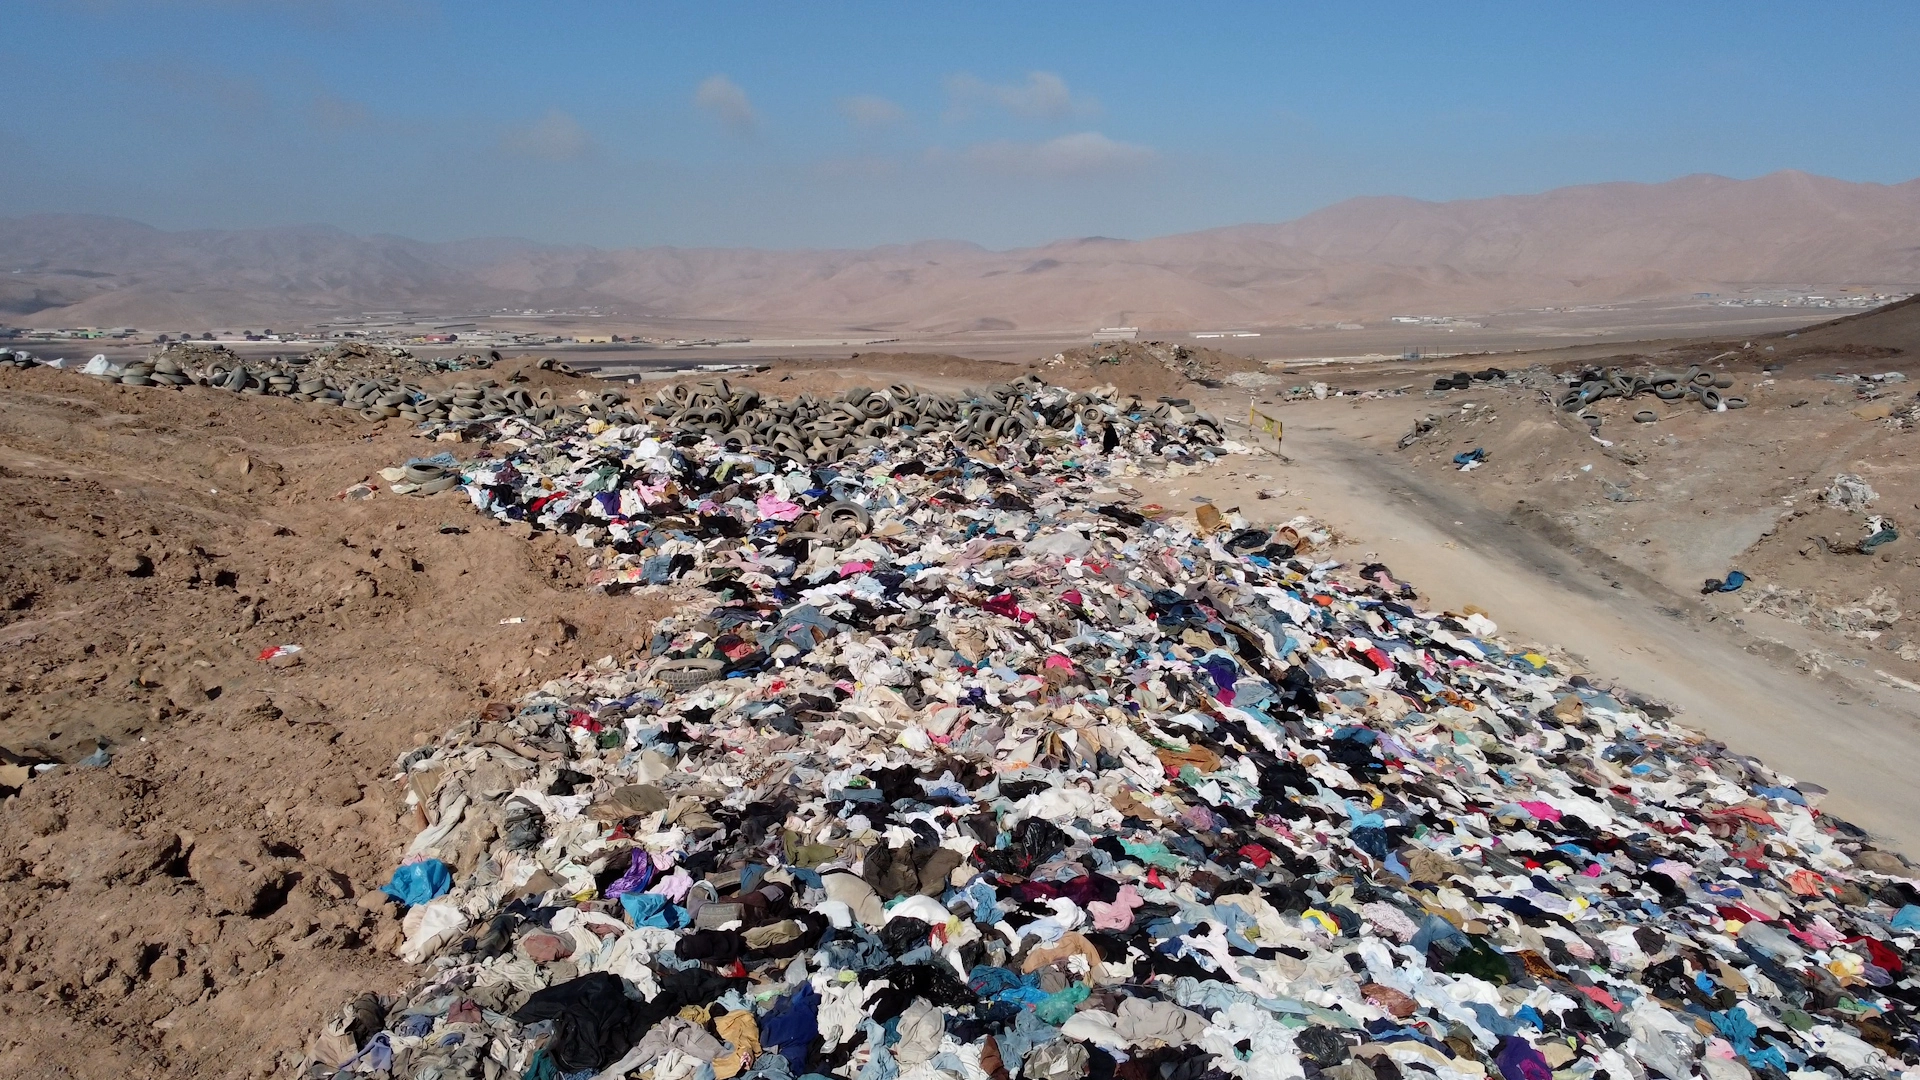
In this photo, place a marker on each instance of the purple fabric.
(638, 876)
(1519, 1061)
(1224, 675)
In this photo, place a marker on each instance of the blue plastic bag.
(417, 883)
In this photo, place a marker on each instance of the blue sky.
(845, 125)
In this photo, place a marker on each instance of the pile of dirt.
(827, 376)
(1889, 331)
(1147, 369)
(188, 900)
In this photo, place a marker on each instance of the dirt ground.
(192, 907)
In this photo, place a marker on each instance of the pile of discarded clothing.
(952, 763)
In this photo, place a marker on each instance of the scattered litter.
(1850, 492)
(1880, 531)
(1469, 460)
(1732, 583)
(1422, 427)
(281, 655)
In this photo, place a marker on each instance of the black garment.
(593, 1020)
(679, 989)
(711, 946)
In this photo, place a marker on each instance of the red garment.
(1882, 956)
(1005, 605)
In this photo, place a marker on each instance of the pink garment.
(1541, 811)
(674, 886)
(1117, 915)
(775, 508)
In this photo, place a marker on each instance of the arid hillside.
(1364, 258)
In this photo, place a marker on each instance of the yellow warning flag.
(1260, 421)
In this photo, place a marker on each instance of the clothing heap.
(809, 428)
(953, 764)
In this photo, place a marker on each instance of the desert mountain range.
(1363, 258)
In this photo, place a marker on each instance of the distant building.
(1116, 333)
(593, 339)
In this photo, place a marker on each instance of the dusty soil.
(1148, 369)
(190, 908)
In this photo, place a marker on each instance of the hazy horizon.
(764, 127)
(926, 241)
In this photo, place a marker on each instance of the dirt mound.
(190, 906)
(826, 375)
(1147, 369)
(1895, 327)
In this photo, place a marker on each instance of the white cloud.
(1044, 96)
(554, 137)
(873, 112)
(728, 103)
(1068, 155)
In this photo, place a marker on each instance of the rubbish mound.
(812, 428)
(953, 764)
(1694, 384)
(715, 417)
(352, 375)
